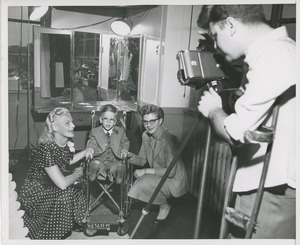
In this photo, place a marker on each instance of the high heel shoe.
(161, 221)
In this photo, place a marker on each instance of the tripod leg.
(202, 185)
(227, 200)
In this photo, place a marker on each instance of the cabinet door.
(52, 65)
(150, 66)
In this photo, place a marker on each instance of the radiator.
(219, 163)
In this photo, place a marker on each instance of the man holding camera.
(241, 30)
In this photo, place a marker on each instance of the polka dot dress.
(50, 212)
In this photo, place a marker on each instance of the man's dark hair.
(203, 18)
(147, 109)
(247, 14)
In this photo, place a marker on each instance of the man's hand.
(210, 105)
(209, 101)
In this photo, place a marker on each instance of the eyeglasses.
(107, 120)
(151, 122)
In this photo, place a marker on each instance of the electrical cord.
(190, 30)
(36, 131)
(97, 23)
(100, 22)
(19, 82)
(143, 13)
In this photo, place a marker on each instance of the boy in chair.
(109, 144)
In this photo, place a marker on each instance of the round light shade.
(37, 12)
(121, 27)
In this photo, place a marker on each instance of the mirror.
(120, 70)
(86, 67)
(83, 68)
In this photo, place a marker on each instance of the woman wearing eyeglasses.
(158, 149)
(53, 204)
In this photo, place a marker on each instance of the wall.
(147, 24)
(180, 34)
(289, 11)
(176, 37)
(67, 20)
(17, 120)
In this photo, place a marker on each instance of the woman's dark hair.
(247, 14)
(147, 109)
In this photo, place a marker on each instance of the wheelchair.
(109, 221)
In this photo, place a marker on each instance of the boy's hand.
(125, 154)
(89, 152)
(129, 154)
(79, 171)
(139, 173)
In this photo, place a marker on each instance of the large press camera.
(205, 67)
(202, 67)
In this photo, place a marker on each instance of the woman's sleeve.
(124, 141)
(139, 159)
(92, 143)
(46, 156)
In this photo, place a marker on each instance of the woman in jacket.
(158, 149)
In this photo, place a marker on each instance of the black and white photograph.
(128, 122)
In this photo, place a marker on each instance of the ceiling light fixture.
(121, 27)
(37, 12)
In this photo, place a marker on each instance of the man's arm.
(217, 117)
(210, 105)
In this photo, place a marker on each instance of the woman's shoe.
(161, 221)
(77, 228)
(69, 233)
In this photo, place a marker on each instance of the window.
(20, 48)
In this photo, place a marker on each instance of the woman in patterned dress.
(52, 202)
